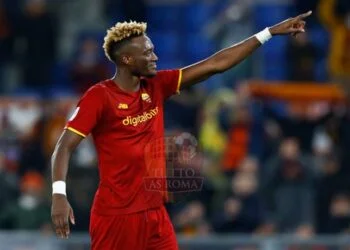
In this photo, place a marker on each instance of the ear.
(127, 59)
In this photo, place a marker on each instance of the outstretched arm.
(231, 56)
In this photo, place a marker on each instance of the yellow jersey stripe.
(76, 131)
(179, 82)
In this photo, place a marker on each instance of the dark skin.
(136, 59)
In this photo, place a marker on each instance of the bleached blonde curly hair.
(120, 32)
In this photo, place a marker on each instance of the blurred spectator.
(191, 220)
(134, 10)
(242, 210)
(38, 33)
(322, 148)
(8, 184)
(272, 136)
(88, 66)
(19, 119)
(289, 187)
(302, 56)
(232, 24)
(300, 121)
(5, 42)
(181, 111)
(249, 165)
(335, 15)
(129, 10)
(32, 157)
(339, 210)
(243, 124)
(343, 141)
(30, 210)
(55, 119)
(10, 12)
(23, 114)
(302, 6)
(84, 185)
(239, 137)
(212, 136)
(333, 181)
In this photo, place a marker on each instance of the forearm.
(61, 155)
(222, 60)
(61, 211)
(231, 56)
(60, 162)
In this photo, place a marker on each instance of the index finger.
(304, 15)
(57, 226)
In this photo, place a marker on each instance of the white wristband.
(59, 187)
(264, 35)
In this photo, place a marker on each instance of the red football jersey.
(128, 133)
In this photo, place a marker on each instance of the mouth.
(153, 66)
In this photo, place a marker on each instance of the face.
(244, 184)
(141, 58)
(289, 149)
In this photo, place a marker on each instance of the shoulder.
(164, 76)
(161, 74)
(96, 90)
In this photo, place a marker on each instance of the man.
(125, 115)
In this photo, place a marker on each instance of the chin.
(151, 74)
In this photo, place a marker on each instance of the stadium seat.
(320, 38)
(197, 47)
(321, 70)
(275, 46)
(274, 59)
(267, 15)
(60, 91)
(25, 92)
(195, 16)
(163, 17)
(170, 64)
(60, 75)
(275, 69)
(166, 44)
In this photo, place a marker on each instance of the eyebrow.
(148, 49)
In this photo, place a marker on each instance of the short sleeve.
(88, 112)
(169, 82)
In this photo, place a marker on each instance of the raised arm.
(231, 56)
(61, 209)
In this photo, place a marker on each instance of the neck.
(126, 81)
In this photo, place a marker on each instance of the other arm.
(231, 56)
(61, 209)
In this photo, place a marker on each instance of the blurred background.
(273, 132)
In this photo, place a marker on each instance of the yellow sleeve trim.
(179, 82)
(76, 131)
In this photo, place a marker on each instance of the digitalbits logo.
(174, 166)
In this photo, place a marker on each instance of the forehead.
(142, 42)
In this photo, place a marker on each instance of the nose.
(154, 57)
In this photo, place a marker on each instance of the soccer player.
(124, 115)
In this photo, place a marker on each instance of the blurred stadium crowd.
(269, 167)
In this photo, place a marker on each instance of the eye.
(149, 52)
